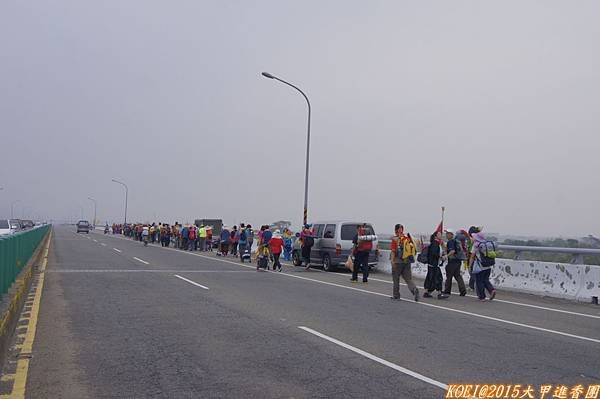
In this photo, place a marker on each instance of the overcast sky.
(489, 108)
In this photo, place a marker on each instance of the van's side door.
(328, 243)
(315, 254)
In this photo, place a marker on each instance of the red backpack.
(363, 245)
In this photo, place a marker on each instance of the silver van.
(333, 244)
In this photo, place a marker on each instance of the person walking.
(249, 237)
(455, 256)
(225, 237)
(235, 238)
(276, 246)
(363, 244)
(307, 240)
(242, 241)
(480, 268)
(287, 245)
(185, 235)
(202, 238)
(402, 254)
(434, 278)
(209, 238)
(192, 244)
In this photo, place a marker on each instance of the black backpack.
(309, 241)
(243, 235)
(423, 257)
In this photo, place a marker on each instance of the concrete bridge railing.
(560, 280)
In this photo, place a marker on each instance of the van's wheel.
(327, 266)
(296, 259)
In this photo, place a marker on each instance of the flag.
(440, 228)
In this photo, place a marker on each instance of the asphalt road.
(116, 321)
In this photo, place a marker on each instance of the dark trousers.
(306, 255)
(482, 281)
(224, 248)
(434, 279)
(202, 243)
(361, 261)
(276, 263)
(234, 247)
(453, 271)
(242, 249)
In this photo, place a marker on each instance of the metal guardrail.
(576, 253)
(15, 251)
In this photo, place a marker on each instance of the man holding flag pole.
(434, 279)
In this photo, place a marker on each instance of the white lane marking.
(403, 299)
(95, 240)
(377, 359)
(514, 323)
(118, 250)
(191, 282)
(103, 244)
(502, 301)
(141, 260)
(143, 271)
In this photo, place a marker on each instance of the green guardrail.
(15, 251)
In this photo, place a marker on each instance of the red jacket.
(276, 245)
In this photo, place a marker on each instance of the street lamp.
(268, 75)
(12, 208)
(95, 207)
(126, 194)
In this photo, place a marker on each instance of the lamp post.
(126, 194)
(12, 208)
(270, 76)
(95, 208)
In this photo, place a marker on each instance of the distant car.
(8, 226)
(27, 224)
(333, 244)
(83, 226)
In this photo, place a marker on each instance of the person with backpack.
(307, 241)
(402, 254)
(483, 257)
(363, 244)
(434, 278)
(455, 256)
(235, 238)
(224, 243)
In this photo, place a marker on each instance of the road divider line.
(403, 299)
(95, 240)
(141, 260)
(191, 282)
(118, 250)
(379, 360)
(103, 244)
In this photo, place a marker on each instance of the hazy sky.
(489, 108)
